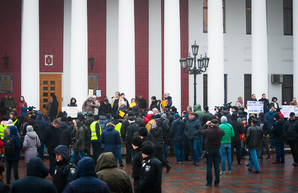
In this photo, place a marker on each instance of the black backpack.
(9, 145)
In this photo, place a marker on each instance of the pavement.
(191, 179)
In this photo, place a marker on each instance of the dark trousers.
(128, 153)
(280, 151)
(236, 145)
(52, 159)
(136, 185)
(14, 165)
(158, 155)
(40, 149)
(96, 148)
(294, 150)
(213, 158)
(186, 149)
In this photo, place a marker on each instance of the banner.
(287, 109)
(255, 107)
(72, 111)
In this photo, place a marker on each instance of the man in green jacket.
(225, 148)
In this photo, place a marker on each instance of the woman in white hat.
(31, 143)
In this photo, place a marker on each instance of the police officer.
(151, 172)
(65, 171)
(95, 135)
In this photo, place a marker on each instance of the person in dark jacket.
(73, 102)
(42, 125)
(86, 179)
(52, 140)
(65, 172)
(266, 131)
(34, 182)
(137, 162)
(279, 138)
(66, 130)
(177, 134)
(154, 103)
(54, 108)
(12, 161)
(151, 172)
(79, 138)
(131, 129)
(105, 108)
(266, 103)
(212, 135)
(207, 116)
(4, 188)
(107, 171)
(142, 102)
(192, 132)
(236, 143)
(291, 129)
(110, 138)
(254, 136)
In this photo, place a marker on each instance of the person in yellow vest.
(95, 135)
(118, 125)
(1, 138)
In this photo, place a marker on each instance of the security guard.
(151, 172)
(2, 127)
(95, 135)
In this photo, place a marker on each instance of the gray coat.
(30, 145)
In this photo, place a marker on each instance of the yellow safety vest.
(1, 132)
(118, 128)
(93, 131)
(14, 123)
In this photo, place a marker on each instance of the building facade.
(136, 46)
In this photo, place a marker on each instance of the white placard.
(255, 107)
(72, 111)
(287, 109)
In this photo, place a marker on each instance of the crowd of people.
(88, 147)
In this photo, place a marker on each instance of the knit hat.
(136, 141)
(176, 115)
(223, 119)
(214, 121)
(143, 132)
(29, 128)
(147, 149)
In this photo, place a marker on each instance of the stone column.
(295, 48)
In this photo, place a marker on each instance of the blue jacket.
(192, 128)
(177, 130)
(110, 138)
(269, 116)
(18, 142)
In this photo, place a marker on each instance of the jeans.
(253, 160)
(196, 151)
(52, 159)
(75, 154)
(119, 154)
(225, 149)
(14, 165)
(96, 147)
(213, 157)
(165, 151)
(280, 152)
(179, 151)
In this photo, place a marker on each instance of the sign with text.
(72, 111)
(287, 109)
(255, 107)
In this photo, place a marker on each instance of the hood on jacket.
(54, 97)
(86, 167)
(197, 107)
(90, 114)
(110, 127)
(105, 160)
(13, 130)
(31, 134)
(63, 125)
(72, 99)
(62, 150)
(24, 109)
(36, 167)
(102, 117)
(223, 119)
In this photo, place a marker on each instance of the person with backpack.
(31, 143)
(12, 146)
(65, 172)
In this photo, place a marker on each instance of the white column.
(155, 72)
(79, 49)
(112, 48)
(30, 52)
(295, 48)
(172, 71)
(216, 54)
(66, 82)
(126, 48)
(259, 48)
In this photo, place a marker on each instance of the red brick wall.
(141, 48)
(10, 43)
(184, 51)
(51, 16)
(97, 41)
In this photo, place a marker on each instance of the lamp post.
(190, 67)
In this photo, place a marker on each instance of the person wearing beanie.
(278, 134)
(65, 172)
(35, 181)
(212, 135)
(254, 137)
(30, 144)
(107, 171)
(137, 162)
(151, 171)
(87, 180)
(225, 149)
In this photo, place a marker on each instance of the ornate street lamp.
(5, 60)
(91, 62)
(190, 67)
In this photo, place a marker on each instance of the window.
(288, 17)
(5, 83)
(205, 16)
(247, 87)
(248, 16)
(205, 89)
(287, 88)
